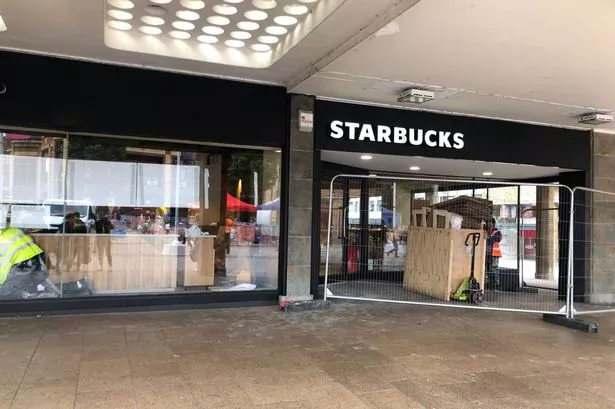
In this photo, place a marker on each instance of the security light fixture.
(414, 168)
(596, 118)
(366, 157)
(487, 173)
(416, 96)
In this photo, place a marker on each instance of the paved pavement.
(353, 356)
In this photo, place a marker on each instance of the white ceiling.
(542, 61)
(440, 167)
(530, 60)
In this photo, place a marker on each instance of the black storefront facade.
(135, 147)
(363, 129)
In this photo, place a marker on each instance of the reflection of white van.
(58, 209)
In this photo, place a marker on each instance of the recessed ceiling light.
(276, 30)
(234, 1)
(119, 15)
(121, 4)
(268, 39)
(225, 9)
(119, 25)
(308, 1)
(295, 9)
(161, 1)
(256, 15)
(241, 35)
(414, 168)
(265, 4)
(234, 43)
(261, 48)
(156, 10)
(213, 30)
(208, 39)
(218, 20)
(188, 15)
(180, 35)
(248, 25)
(366, 157)
(192, 4)
(285, 20)
(487, 173)
(183, 25)
(152, 21)
(150, 30)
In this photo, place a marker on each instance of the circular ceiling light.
(414, 168)
(188, 15)
(265, 4)
(156, 10)
(180, 35)
(308, 1)
(218, 20)
(192, 4)
(161, 1)
(285, 20)
(256, 15)
(248, 25)
(296, 9)
(213, 30)
(119, 15)
(152, 21)
(225, 9)
(119, 25)
(208, 39)
(234, 43)
(241, 35)
(487, 173)
(262, 48)
(268, 39)
(121, 4)
(234, 1)
(150, 30)
(183, 25)
(276, 30)
(366, 157)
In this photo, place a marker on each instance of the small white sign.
(306, 121)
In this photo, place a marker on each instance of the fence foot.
(298, 306)
(572, 323)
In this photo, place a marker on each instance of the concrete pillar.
(600, 209)
(546, 232)
(301, 147)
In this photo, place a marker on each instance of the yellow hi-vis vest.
(15, 247)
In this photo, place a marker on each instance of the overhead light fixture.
(276, 30)
(241, 35)
(487, 173)
(416, 96)
(248, 25)
(183, 25)
(366, 157)
(255, 15)
(234, 43)
(285, 20)
(414, 168)
(213, 30)
(596, 118)
(261, 48)
(218, 20)
(154, 31)
(121, 4)
(180, 35)
(208, 39)
(119, 15)
(2, 25)
(225, 9)
(161, 1)
(119, 25)
(152, 21)
(265, 4)
(296, 9)
(192, 4)
(268, 39)
(188, 15)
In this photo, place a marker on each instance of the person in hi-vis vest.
(494, 252)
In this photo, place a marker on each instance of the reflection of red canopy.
(236, 205)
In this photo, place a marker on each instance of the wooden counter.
(437, 261)
(138, 262)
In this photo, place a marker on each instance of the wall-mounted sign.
(398, 135)
(306, 121)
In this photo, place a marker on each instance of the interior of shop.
(134, 216)
(376, 221)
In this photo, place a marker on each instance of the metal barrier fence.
(417, 240)
(592, 289)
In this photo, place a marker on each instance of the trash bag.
(28, 280)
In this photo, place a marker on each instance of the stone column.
(301, 147)
(601, 217)
(546, 232)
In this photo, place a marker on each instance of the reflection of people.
(103, 242)
(392, 237)
(22, 269)
(494, 252)
(227, 235)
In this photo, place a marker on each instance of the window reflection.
(121, 216)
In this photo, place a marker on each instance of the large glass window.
(117, 216)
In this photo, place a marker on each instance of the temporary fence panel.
(593, 287)
(417, 241)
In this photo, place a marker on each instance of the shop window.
(119, 216)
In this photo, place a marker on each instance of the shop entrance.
(377, 241)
